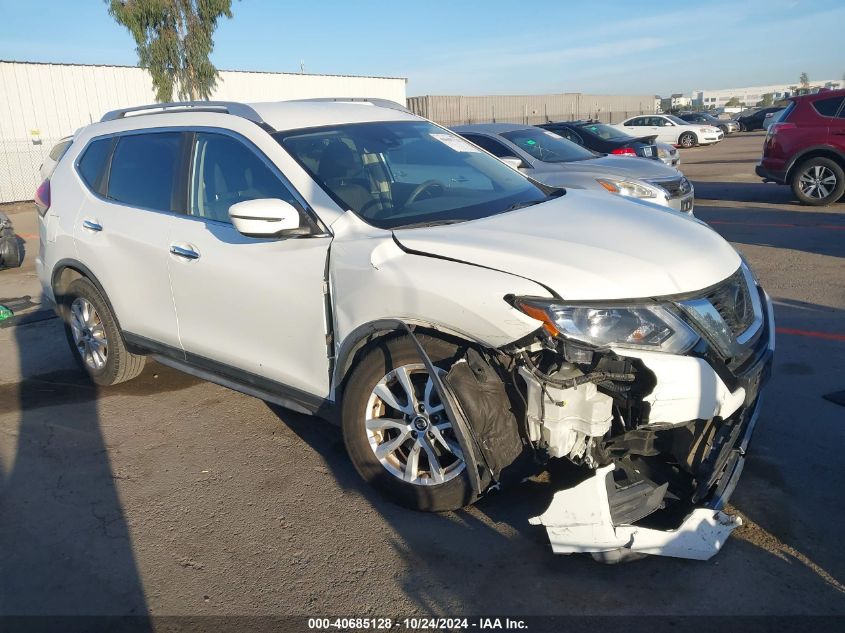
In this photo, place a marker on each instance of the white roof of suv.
(284, 115)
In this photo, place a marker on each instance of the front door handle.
(839, 132)
(92, 225)
(183, 252)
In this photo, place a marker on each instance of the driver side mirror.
(267, 217)
(513, 162)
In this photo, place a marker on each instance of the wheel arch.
(366, 336)
(65, 272)
(816, 151)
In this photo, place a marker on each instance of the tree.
(733, 102)
(804, 80)
(767, 100)
(174, 40)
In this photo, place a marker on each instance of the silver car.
(557, 162)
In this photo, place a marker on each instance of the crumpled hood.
(588, 245)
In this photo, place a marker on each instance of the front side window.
(546, 146)
(225, 172)
(145, 169)
(406, 173)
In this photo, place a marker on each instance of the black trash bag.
(489, 412)
(10, 248)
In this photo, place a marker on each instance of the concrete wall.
(41, 103)
(530, 109)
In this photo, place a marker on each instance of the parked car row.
(555, 161)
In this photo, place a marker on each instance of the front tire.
(94, 337)
(818, 182)
(687, 140)
(396, 431)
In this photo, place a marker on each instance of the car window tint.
(637, 121)
(93, 161)
(494, 147)
(828, 107)
(569, 135)
(144, 169)
(225, 172)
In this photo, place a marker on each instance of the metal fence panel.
(530, 109)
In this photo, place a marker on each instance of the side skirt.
(233, 378)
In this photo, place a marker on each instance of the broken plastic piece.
(578, 520)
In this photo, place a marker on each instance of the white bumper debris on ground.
(578, 521)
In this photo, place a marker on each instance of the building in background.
(751, 96)
(529, 109)
(43, 103)
(676, 102)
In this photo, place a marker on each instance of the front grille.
(676, 187)
(732, 301)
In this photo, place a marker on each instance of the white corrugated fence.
(42, 103)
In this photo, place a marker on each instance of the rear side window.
(828, 107)
(144, 170)
(93, 162)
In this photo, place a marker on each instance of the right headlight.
(650, 327)
(630, 188)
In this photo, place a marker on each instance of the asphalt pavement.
(169, 495)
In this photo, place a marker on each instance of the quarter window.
(226, 172)
(93, 162)
(828, 107)
(144, 170)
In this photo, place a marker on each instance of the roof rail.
(382, 103)
(229, 107)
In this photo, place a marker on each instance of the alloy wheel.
(817, 182)
(89, 334)
(408, 429)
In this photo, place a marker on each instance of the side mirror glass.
(513, 162)
(266, 217)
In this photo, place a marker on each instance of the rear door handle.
(183, 252)
(92, 225)
(839, 132)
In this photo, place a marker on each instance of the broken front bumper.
(581, 519)
(701, 434)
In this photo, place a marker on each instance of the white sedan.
(670, 129)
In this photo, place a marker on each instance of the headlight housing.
(648, 327)
(630, 188)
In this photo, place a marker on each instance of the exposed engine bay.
(659, 439)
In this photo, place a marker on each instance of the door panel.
(123, 240)
(253, 304)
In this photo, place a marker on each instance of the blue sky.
(480, 47)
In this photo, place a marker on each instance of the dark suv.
(806, 148)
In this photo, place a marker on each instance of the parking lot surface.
(169, 495)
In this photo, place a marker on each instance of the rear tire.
(818, 182)
(389, 473)
(687, 140)
(94, 337)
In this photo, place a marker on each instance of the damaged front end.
(661, 433)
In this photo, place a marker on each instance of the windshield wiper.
(419, 225)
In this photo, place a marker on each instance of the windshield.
(603, 131)
(676, 120)
(404, 173)
(547, 146)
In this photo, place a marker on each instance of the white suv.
(464, 323)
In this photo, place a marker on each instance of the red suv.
(806, 148)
